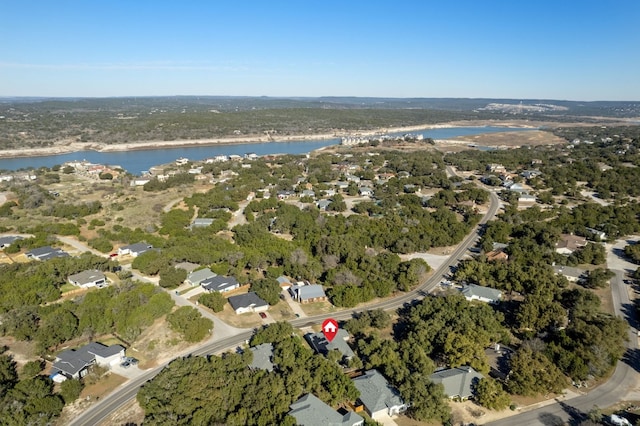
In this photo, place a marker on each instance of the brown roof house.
(569, 243)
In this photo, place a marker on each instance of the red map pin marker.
(330, 328)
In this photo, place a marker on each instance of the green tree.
(428, 401)
(489, 393)
(32, 368)
(267, 289)
(532, 373)
(70, 390)
(171, 277)
(188, 322)
(214, 301)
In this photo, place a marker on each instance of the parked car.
(125, 364)
(263, 315)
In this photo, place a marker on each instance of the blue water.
(140, 160)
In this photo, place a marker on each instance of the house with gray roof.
(323, 204)
(321, 345)
(311, 411)
(307, 293)
(86, 279)
(249, 302)
(135, 249)
(378, 396)
(262, 357)
(570, 273)
(7, 240)
(201, 222)
(220, 283)
(46, 253)
(483, 294)
(458, 382)
(197, 277)
(75, 363)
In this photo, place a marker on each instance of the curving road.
(624, 380)
(101, 410)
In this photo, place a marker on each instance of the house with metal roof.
(249, 302)
(201, 222)
(197, 277)
(378, 396)
(311, 411)
(262, 357)
(483, 294)
(458, 382)
(46, 253)
(135, 249)
(90, 278)
(570, 273)
(75, 363)
(307, 293)
(321, 345)
(220, 283)
(7, 240)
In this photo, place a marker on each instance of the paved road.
(127, 391)
(625, 380)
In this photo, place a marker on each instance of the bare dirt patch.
(130, 413)
(22, 352)
(156, 345)
(514, 139)
(248, 320)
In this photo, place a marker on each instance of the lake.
(137, 161)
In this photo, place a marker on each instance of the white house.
(249, 302)
(86, 279)
(378, 396)
(483, 294)
(75, 363)
(135, 249)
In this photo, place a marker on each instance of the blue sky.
(543, 49)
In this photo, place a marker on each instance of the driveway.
(295, 306)
(130, 372)
(80, 246)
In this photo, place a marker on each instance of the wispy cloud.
(124, 66)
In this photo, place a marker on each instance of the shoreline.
(72, 147)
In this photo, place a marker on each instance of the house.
(321, 345)
(378, 396)
(530, 174)
(8, 240)
(220, 283)
(323, 205)
(308, 193)
(342, 185)
(365, 191)
(496, 256)
(572, 274)
(283, 195)
(197, 277)
(458, 382)
(86, 279)
(496, 168)
(285, 282)
(352, 178)
(600, 235)
(306, 293)
(74, 363)
(249, 302)
(483, 294)
(525, 197)
(262, 357)
(46, 253)
(201, 222)
(135, 249)
(569, 243)
(311, 411)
